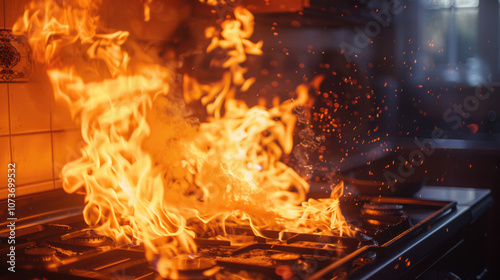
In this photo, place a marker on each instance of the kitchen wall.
(36, 132)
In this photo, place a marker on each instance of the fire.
(153, 174)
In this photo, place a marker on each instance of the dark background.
(426, 60)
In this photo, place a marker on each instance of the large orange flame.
(152, 175)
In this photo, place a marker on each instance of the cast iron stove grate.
(59, 251)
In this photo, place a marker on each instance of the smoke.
(308, 141)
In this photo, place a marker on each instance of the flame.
(152, 174)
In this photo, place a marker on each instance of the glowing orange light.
(150, 173)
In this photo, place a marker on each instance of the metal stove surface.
(68, 249)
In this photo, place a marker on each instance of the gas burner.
(41, 258)
(381, 220)
(89, 237)
(383, 211)
(377, 209)
(40, 255)
(285, 258)
(194, 267)
(383, 227)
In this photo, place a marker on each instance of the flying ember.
(152, 172)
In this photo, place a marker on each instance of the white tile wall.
(15, 10)
(2, 14)
(4, 109)
(67, 146)
(32, 154)
(29, 107)
(35, 131)
(4, 160)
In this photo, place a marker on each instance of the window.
(449, 34)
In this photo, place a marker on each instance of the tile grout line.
(52, 147)
(8, 97)
(34, 183)
(10, 125)
(43, 131)
(27, 185)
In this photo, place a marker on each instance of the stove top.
(67, 249)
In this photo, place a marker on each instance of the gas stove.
(407, 238)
